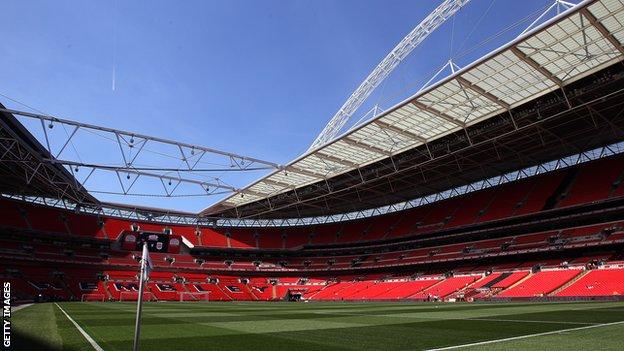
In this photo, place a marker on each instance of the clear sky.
(259, 78)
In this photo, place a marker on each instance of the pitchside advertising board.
(156, 242)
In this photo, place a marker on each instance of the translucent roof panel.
(611, 14)
(321, 166)
(509, 78)
(390, 140)
(569, 47)
(293, 178)
(417, 121)
(351, 153)
(266, 188)
(459, 102)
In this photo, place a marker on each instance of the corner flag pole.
(146, 265)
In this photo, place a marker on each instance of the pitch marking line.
(524, 336)
(84, 333)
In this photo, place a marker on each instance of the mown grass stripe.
(481, 343)
(338, 313)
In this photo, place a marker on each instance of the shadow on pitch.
(21, 342)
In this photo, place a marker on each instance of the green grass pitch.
(259, 326)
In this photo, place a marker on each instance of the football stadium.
(482, 209)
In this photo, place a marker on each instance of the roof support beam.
(536, 66)
(604, 31)
(366, 146)
(477, 89)
(308, 173)
(405, 133)
(335, 160)
(276, 183)
(437, 113)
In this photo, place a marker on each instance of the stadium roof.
(569, 47)
(554, 92)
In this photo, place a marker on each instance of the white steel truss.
(132, 146)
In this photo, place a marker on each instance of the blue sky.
(259, 78)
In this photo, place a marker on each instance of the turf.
(324, 326)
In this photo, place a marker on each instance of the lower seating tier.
(605, 280)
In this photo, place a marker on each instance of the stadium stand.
(540, 283)
(597, 282)
(506, 204)
(483, 245)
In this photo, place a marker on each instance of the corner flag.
(146, 268)
(148, 263)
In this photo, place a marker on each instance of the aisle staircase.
(515, 284)
(250, 291)
(570, 282)
(423, 289)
